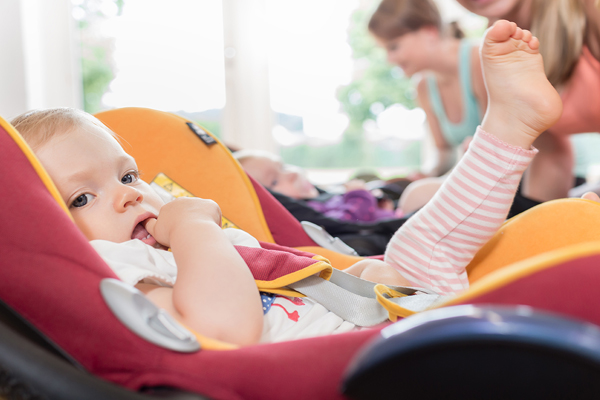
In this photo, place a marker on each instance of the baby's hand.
(182, 213)
(591, 196)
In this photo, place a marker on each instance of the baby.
(357, 204)
(272, 173)
(211, 289)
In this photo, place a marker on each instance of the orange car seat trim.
(208, 343)
(524, 268)
(321, 267)
(41, 172)
(546, 227)
(149, 137)
(338, 260)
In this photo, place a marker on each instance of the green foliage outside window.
(97, 75)
(376, 86)
(96, 54)
(377, 80)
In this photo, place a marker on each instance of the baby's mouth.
(139, 232)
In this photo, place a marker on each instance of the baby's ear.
(591, 196)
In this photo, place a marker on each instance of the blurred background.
(302, 79)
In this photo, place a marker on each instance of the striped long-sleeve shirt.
(433, 248)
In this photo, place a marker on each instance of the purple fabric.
(356, 205)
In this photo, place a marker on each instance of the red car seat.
(50, 280)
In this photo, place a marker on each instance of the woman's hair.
(394, 18)
(455, 31)
(38, 126)
(560, 25)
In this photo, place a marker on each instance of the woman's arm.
(550, 175)
(445, 154)
(215, 293)
(477, 82)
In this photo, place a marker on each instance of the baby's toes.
(518, 34)
(501, 31)
(534, 43)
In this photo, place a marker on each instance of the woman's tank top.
(581, 98)
(471, 118)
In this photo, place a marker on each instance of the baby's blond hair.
(39, 126)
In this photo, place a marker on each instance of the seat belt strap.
(365, 303)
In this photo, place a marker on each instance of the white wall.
(40, 61)
(247, 119)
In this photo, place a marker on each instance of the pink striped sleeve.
(433, 248)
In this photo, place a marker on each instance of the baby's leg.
(521, 101)
(434, 247)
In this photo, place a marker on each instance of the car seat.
(50, 283)
(194, 160)
(191, 159)
(163, 142)
(50, 278)
(546, 227)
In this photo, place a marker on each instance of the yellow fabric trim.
(326, 273)
(207, 343)
(285, 280)
(253, 195)
(337, 260)
(393, 309)
(320, 258)
(35, 163)
(524, 268)
(286, 292)
(176, 190)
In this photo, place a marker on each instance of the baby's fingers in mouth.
(149, 224)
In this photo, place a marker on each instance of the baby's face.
(285, 179)
(100, 185)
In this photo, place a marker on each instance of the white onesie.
(286, 318)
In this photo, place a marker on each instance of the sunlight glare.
(168, 55)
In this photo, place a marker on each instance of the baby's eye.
(130, 177)
(82, 200)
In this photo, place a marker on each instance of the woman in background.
(451, 90)
(569, 33)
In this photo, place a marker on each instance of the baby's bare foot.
(521, 101)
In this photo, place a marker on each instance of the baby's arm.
(215, 293)
(377, 271)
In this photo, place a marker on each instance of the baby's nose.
(128, 196)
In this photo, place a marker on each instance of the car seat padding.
(546, 227)
(50, 275)
(163, 143)
(564, 281)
